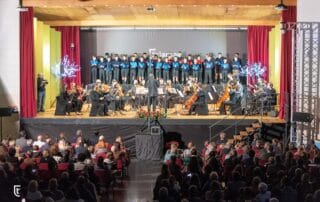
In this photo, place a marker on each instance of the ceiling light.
(151, 9)
(281, 6)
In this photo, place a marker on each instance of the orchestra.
(189, 81)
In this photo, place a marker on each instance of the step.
(237, 137)
(256, 125)
(243, 133)
(230, 141)
(249, 129)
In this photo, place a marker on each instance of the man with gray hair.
(152, 86)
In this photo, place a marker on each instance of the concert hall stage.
(191, 127)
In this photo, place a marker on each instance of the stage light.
(281, 6)
(283, 27)
(21, 8)
(151, 9)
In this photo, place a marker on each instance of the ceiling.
(167, 13)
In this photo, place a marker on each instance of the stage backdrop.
(189, 41)
(47, 58)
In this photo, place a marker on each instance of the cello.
(192, 99)
(224, 97)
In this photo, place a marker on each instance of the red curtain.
(27, 77)
(70, 46)
(289, 15)
(258, 48)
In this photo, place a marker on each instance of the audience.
(257, 170)
(61, 170)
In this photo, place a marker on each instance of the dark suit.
(152, 86)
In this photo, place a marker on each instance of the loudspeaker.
(5, 111)
(155, 130)
(302, 117)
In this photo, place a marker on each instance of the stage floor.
(194, 128)
(173, 114)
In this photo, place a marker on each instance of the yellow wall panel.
(274, 57)
(47, 49)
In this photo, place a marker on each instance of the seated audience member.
(47, 158)
(22, 140)
(102, 146)
(33, 194)
(222, 139)
(109, 161)
(80, 165)
(187, 151)
(165, 174)
(264, 194)
(80, 146)
(170, 152)
(39, 142)
(53, 191)
(28, 146)
(56, 155)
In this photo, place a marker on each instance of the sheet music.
(172, 90)
(214, 88)
(180, 93)
(141, 91)
(160, 91)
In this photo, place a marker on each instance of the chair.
(43, 166)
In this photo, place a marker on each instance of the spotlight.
(151, 9)
(281, 6)
(21, 8)
(283, 27)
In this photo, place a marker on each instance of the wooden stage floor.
(172, 115)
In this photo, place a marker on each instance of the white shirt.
(38, 143)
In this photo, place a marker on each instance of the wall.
(47, 45)
(274, 57)
(9, 64)
(190, 41)
(308, 11)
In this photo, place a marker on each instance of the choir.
(176, 69)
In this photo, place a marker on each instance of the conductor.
(152, 86)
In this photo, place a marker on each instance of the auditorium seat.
(43, 166)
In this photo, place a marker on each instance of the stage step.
(250, 129)
(256, 125)
(243, 133)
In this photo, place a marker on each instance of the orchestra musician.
(199, 106)
(76, 96)
(116, 93)
(235, 94)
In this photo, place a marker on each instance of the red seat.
(37, 160)
(63, 166)
(43, 166)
